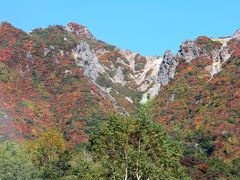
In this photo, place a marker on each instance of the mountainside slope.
(201, 105)
(42, 87)
(63, 77)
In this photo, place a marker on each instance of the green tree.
(49, 154)
(82, 166)
(136, 148)
(15, 163)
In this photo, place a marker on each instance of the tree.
(136, 148)
(82, 166)
(15, 163)
(49, 153)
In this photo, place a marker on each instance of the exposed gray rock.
(189, 51)
(167, 68)
(29, 56)
(151, 93)
(67, 71)
(172, 97)
(88, 60)
(221, 54)
(156, 71)
(119, 77)
(61, 52)
(236, 35)
(129, 99)
(46, 51)
(164, 75)
(149, 75)
(224, 54)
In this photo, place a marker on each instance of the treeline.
(120, 147)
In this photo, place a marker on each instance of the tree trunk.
(139, 150)
(126, 169)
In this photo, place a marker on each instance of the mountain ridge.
(63, 76)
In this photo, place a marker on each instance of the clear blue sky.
(146, 26)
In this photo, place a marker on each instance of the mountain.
(62, 76)
(203, 99)
(66, 78)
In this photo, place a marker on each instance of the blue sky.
(146, 26)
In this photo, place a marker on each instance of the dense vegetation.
(204, 113)
(120, 147)
(136, 147)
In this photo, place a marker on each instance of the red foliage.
(5, 54)
(75, 26)
(203, 167)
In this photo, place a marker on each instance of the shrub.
(15, 163)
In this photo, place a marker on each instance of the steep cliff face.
(215, 49)
(124, 75)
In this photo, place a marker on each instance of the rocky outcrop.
(215, 49)
(167, 68)
(236, 35)
(123, 69)
(79, 30)
(204, 47)
(119, 76)
(163, 75)
(149, 74)
(189, 51)
(87, 60)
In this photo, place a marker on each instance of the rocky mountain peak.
(168, 55)
(188, 51)
(79, 29)
(236, 34)
(167, 68)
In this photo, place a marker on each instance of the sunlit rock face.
(215, 49)
(87, 60)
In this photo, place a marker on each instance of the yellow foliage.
(34, 132)
(198, 124)
(47, 148)
(233, 139)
